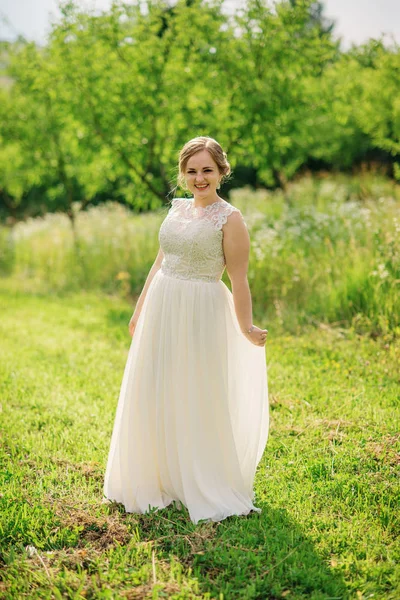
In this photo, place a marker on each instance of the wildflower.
(122, 275)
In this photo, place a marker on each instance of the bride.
(192, 417)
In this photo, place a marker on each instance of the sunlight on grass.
(327, 484)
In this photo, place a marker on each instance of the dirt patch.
(55, 560)
(331, 429)
(333, 423)
(142, 592)
(387, 449)
(90, 470)
(101, 532)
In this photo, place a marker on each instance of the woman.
(192, 417)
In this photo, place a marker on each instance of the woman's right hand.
(133, 323)
(257, 336)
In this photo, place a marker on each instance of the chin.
(209, 190)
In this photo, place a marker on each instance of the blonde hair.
(196, 145)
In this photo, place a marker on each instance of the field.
(328, 483)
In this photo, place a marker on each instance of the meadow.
(324, 274)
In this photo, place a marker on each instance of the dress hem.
(179, 504)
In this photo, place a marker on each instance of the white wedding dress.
(192, 418)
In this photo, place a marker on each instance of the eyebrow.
(203, 168)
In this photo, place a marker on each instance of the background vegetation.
(101, 111)
(327, 250)
(91, 125)
(96, 118)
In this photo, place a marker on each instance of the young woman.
(192, 418)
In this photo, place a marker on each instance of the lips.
(203, 187)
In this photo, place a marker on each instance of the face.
(202, 175)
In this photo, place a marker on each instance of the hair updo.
(196, 145)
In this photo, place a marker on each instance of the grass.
(328, 483)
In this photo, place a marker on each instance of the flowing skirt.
(192, 418)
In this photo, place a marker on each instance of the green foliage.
(101, 111)
(355, 104)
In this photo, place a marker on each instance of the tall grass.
(326, 250)
(112, 251)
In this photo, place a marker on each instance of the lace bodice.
(191, 239)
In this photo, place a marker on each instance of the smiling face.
(202, 176)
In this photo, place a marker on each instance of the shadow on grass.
(259, 556)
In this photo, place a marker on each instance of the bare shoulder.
(235, 222)
(235, 232)
(236, 245)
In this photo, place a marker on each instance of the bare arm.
(156, 265)
(236, 246)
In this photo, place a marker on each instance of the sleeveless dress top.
(191, 239)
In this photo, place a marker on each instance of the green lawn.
(328, 483)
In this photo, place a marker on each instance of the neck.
(203, 202)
